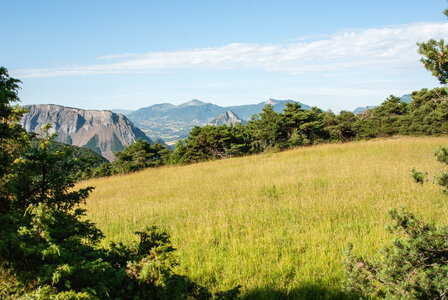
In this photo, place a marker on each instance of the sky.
(110, 54)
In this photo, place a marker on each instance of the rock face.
(99, 130)
(226, 118)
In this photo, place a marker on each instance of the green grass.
(275, 223)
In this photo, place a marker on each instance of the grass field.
(275, 223)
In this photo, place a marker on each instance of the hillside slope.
(275, 223)
(99, 130)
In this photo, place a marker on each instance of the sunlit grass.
(277, 221)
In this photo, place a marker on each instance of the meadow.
(276, 223)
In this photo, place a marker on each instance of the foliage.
(342, 127)
(93, 144)
(134, 157)
(414, 266)
(427, 113)
(140, 155)
(13, 138)
(212, 142)
(265, 128)
(435, 57)
(48, 249)
(91, 161)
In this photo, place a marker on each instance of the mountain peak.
(226, 118)
(272, 101)
(194, 102)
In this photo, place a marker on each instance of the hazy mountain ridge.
(171, 122)
(102, 131)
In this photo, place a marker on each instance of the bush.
(413, 266)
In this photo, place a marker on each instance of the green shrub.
(413, 266)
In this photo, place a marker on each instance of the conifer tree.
(435, 57)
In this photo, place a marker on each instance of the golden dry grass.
(276, 221)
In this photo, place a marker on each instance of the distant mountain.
(226, 118)
(171, 122)
(359, 110)
(122, 111)
(99, 130)
(405, 98)
(194, 102)
(247, 111)
(195, 112)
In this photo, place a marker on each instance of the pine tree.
(435, 57)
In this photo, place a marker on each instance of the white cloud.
(388, 48)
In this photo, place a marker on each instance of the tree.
(435, 57)
(13, 138)
(341, 127)
(49, 250)
(139, 155)
(265, 128)
(427, 113)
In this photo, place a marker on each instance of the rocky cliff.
(99, 130)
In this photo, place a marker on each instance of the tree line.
(426, 114)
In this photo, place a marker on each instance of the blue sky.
(131, 54)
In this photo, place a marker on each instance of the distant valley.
(170, 122)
